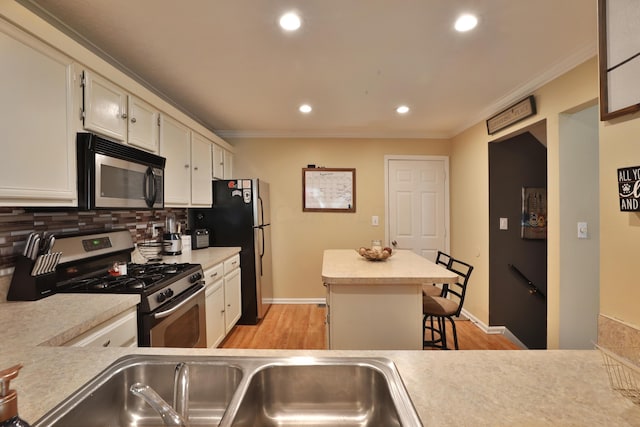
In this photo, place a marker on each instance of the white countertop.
(347, 267)
(448, 388)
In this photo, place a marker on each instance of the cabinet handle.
(106, 344)
(195, 168)
(214, 274)
(133, 119)
(124, 115)
(186, 166)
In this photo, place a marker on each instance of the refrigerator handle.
(261, 248)
(261, 211)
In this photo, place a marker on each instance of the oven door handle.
(169, 312)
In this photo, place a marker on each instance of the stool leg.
(455, 333)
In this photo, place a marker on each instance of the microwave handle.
(150, 183)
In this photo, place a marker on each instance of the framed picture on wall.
(619, 57)
(534, 213)
(328, 190)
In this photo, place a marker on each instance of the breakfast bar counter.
(377, 305)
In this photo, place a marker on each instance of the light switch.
(583, 230)
(374, 220)
(504, 223)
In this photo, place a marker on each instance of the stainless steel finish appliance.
(117, 176)
(171, 312)
(240, 216)
(200, 239)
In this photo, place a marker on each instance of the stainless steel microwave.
(117, 176)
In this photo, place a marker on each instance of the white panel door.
(417, 199)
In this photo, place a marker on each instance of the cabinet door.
(228, 165)
(105, 107)
(218, 162)
(121, 331)
(143, 128)
(215, 313)
(232, 299)
(201, 171)
(175, 147)
(38, 163)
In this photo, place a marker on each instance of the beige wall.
(470, 198)
(299, 238)
(620, 231)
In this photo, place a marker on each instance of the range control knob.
(195, 277)
(161, 297)
(169, 293)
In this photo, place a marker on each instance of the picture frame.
(328, 190)
(534, 213)
(619, 58)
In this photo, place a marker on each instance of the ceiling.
(228, 63)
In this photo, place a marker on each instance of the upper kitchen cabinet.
(201, 170)
(110, 111)
(175, 143)
(144, 124)
(218, 162)
(222, 163)
(105, 107)
(38, 138)
(228, 164)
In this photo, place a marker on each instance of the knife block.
(25, 287)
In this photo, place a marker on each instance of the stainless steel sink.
(245, 391)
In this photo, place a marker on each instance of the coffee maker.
(171, 237)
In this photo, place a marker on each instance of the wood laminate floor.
(301, 326)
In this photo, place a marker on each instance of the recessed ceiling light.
(402, 109)
(466, 22)
(305, 108)
(290, 21)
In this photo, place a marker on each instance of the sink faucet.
(170, 416)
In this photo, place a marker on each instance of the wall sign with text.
(629, 189)
(328, 190)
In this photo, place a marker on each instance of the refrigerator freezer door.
(261, 202)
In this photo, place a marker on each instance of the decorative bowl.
(375, 254)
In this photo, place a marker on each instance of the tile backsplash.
(17, 223)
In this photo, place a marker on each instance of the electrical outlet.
(374, 220)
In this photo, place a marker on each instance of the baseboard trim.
(297, 301)
(501, 330)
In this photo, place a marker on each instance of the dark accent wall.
(17, 223)
(515, 163)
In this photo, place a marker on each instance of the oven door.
(127, 184)
(181, 323)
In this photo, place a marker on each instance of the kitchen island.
(377, 305)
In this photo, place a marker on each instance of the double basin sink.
(243, 391)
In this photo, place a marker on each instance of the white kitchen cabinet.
(218, 162)
(214, 281)
(143, 129)
(175, 146)
(201, 194)
(120, 331)
(36, 117)
(105, 107)
(228, 165)
(232, 292)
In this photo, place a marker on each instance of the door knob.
(394, 243)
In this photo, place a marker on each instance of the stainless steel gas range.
(171, 312)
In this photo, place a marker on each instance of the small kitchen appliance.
(171, 236)
(171, 312)
(200, 239)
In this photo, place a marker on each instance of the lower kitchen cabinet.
(214, 304)
(120, 331)
(223, 304)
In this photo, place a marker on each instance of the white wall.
(579, 202)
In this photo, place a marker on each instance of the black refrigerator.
(240, 216)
